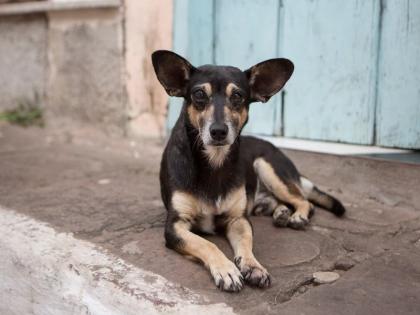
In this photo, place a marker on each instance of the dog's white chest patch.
(206, 222)
(219, 204)
(208, 213)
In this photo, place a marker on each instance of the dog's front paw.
(226, 276)
(253, 272)
(298, 221)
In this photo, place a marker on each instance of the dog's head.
(218, 97)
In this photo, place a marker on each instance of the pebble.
(104, 181)
(322, 277)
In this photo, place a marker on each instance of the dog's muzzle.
(219, 133)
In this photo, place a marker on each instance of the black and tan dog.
(212, 178)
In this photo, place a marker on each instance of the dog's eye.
(199, 95)
(199, 99)
(236, 98)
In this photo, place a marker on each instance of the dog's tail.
(321, 198)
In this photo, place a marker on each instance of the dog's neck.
(216, 156)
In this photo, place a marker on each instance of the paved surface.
(106, 192)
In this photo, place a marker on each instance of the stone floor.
(106, 191)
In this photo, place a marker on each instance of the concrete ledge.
(47, 6)
(45, 272)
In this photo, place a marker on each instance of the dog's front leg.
(239, 233)
(225, 274)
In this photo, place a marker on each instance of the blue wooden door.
(357, 69)
(333, 45)
(398, 112)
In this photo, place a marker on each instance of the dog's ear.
(268, 77)
(172, 71)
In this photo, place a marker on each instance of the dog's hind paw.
(281, 216)
(253, 273)
(297, 221)
(227, 277)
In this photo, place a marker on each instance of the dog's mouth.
(218, 143)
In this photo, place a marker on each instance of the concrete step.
(46, 272)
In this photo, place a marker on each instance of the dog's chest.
(208, 213)
(232, 204)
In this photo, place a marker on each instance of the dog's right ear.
(172, 71)
(268, 77)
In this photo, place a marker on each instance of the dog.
(212, 178)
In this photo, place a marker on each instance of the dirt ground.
(106, 191)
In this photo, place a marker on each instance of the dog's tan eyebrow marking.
(206, 87)
(230, 88)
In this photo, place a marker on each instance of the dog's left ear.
(172, 71)
(268, 77)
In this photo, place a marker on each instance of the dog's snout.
(219, 131)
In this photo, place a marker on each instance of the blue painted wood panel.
(246, 33)
(357, 69)
(193, 39)
(333, 45)
(398, 117)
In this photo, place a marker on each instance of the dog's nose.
(218, 131)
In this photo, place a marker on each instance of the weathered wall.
(148, 27)
(85, 76)
(23, 40)
(88, 66)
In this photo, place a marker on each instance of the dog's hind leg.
(289, 193)
(269, 205)
(265, 202)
